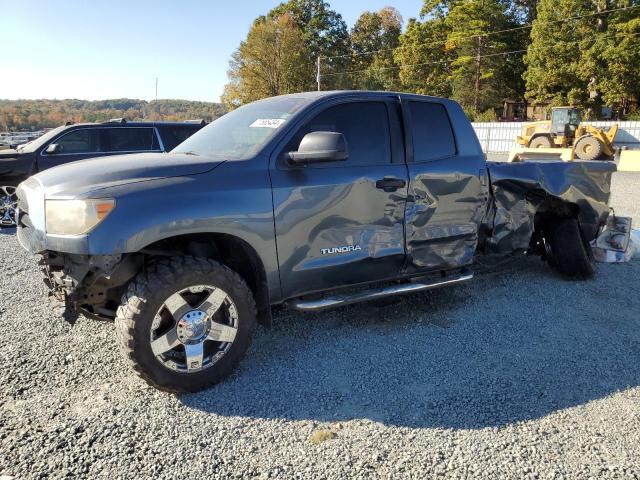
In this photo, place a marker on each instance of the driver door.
(342, 223)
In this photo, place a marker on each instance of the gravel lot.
(516, 375)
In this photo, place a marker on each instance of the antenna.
(156, 89)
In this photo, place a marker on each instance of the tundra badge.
(348, 248)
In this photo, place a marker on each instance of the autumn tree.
(554, 56)
(460, 49)
(423, 59)
(585, 53)
(482, 74)
(374, 37)
(325, 35)
(611, 55)
(36, 114)
(273, 60)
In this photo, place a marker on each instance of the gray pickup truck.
(315, 200)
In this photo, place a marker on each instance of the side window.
(123, 139)
(431, 130)
(79, 141)
(365, 126)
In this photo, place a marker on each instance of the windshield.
(241, 134)
(562, 116)
(33, 145)
(575, 117)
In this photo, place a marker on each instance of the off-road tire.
(145, 295)
(540, 142)
(8, 205)
(588, 148)
(571, 255)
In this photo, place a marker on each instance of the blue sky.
(112, 49)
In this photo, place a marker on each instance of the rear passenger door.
(336, 223)
(447, 188)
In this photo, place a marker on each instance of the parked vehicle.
(74, 142)
(317, 200)
(566, 130)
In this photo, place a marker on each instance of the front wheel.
(540, 142)
(588, 148)
(8, 205)
(185, 323)
(566, 249)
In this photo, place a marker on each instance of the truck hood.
(84, 176)
(8, 153)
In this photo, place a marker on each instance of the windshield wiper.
(190, 152)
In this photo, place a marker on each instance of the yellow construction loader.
(566, 130)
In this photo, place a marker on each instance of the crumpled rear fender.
(522, 190)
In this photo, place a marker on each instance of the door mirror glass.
(53, 149)
(318, 147)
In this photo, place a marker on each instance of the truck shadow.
(502, 349)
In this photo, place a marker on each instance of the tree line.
(478, 52)
(36, 114)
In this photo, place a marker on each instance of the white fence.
(500, 137)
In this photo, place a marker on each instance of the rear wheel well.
(229, 250)
(548, 209)
(555, 207)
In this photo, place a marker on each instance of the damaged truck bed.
(530, 192)
(315, 200)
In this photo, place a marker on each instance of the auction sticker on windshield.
(267, 123)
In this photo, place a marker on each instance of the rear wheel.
(185, 323)
(588, 148)
(566, 249)
(540, 142)
(8, 205)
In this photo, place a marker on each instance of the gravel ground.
(517, 374)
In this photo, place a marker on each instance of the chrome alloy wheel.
(194, 328)
(8, 205)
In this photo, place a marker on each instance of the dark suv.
(73, 142)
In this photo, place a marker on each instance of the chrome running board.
(340, 300)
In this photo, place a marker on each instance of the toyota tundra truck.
(314, 200)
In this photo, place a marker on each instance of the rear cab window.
(431, 131)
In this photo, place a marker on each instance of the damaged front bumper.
(88, 284)
(77, 281)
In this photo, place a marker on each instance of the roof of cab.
(313, 95)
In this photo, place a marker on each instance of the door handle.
(390, 184)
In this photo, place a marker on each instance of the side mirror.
(53, 148)
(318, 147)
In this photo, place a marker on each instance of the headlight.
(76, 217)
